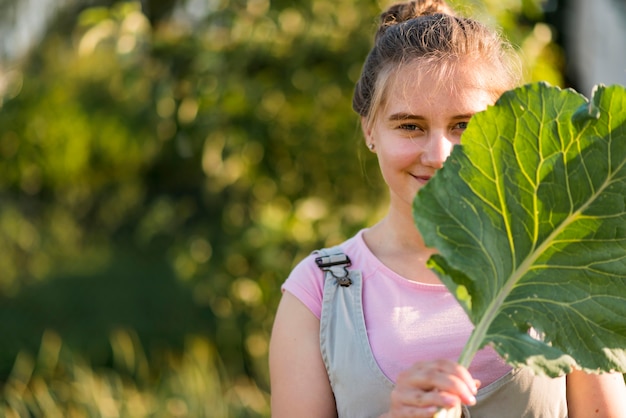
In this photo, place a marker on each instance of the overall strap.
(360, 388)
(335, 264)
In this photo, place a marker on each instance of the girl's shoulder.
(306, 280)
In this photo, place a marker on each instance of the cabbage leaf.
(528, 216)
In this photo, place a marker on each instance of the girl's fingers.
(411, 412)
(437, 382)
(421, 398)
(428, 387)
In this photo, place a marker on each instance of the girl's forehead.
(448, 79)
(454, 88)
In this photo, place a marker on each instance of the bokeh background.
(165, 163)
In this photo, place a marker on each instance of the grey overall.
(362, 390)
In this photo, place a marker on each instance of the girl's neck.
(396, 233)
(397, 243)
(399, 229)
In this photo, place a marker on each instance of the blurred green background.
(163, 165)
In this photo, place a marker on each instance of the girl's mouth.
(421, 179)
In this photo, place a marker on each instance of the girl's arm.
(299, 382)
(596, 395)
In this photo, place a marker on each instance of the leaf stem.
(473, 343)
(477, 337)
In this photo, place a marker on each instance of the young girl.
(384, 343)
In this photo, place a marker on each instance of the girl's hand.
(428, 387)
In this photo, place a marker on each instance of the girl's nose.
(436, 151)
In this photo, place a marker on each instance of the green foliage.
(163, 174)
(528, 216)
(211, 149)
(58, 382)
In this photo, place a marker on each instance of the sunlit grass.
(58, 382)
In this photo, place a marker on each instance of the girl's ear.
(367, 130)
(367, 133)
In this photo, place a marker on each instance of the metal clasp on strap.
(337, 265)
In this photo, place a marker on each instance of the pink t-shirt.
(406, 321)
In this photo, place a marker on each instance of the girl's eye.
(409, 127)
(461, 125)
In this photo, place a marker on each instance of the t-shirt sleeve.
(306, 283)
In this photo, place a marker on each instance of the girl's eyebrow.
(408, 116)
(465, 116)
(405, 116)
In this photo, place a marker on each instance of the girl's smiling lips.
(421, 178)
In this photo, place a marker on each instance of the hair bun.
(401, 12)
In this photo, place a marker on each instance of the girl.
(385, 344)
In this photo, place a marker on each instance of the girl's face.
(421, 119)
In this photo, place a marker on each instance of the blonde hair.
(428, 33)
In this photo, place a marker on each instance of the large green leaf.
(528, 217)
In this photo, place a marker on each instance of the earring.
(371, 146)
